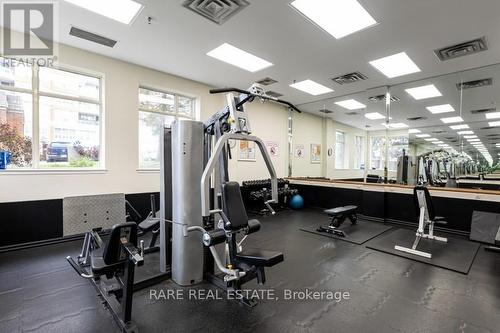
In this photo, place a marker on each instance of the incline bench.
(338, 216)
(496, 247)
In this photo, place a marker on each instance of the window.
(396, 146)
(340, 156)
(67, 107)
(359, 161)
(156, 110)
(377, 153)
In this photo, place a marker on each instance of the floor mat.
(359, 233)
(456, 255)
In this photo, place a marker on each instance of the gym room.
(249, 166)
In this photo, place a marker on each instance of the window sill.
(148, 170)
(51, 171)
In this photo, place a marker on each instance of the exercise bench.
(338, 216)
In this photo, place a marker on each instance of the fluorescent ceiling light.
(444, 146)
(311, 87)
(414, 131)
(494, 123)
(338, 18)
(424, 92)
(444, 108)
(351, 104)
(465, 132)
(459, 127)
(374, 116)
(452, 120)
(123, 11)
(395, 125)
(423, 135)
(395, 65)
(438, 142)
(239, 58)
(493, 115)
(470, 136)
(473, 140)
(431, 139)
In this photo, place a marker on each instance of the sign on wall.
(299, 151)
(246, 151)
(315, 153)
(273, 148)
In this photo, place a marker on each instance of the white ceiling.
(177, 41)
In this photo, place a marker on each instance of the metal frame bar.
(214, 158)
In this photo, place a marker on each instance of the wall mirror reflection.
(442, 131)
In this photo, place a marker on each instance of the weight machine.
(206, 207)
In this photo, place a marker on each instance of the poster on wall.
(315, 153)
(299, 151)
(273, 148)
(246, 151)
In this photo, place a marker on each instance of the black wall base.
(33, 221)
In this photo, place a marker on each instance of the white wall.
(269, 121)
(307, 130)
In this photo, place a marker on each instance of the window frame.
(360, 153)
(176, 114)
(382, 158)
(344, 150)
(35, 114)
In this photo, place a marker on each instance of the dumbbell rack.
(257, 192)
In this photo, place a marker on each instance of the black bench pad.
(98, 265)
(340, 210)
(258, 257)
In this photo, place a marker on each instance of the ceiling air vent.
(487, 128)
(266, 82)
(493, 135)
(92, 37)
(273, 94)
(350, 78)
(416, 118)
(462, 49)
(475, 84)
(326, 111)
(218, 11)
(480, 111)
(381, 98)
(438, 132)
(351, 113)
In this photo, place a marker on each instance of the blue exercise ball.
(296, 202)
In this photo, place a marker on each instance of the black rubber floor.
(39, 292)
(456, 254)
(359, 233)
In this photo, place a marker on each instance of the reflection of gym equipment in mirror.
(458, 153)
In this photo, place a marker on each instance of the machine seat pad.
(149, 224)
(258, 257)
(341, 210)
(100, 268)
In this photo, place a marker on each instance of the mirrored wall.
(442, 131)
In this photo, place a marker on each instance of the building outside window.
(68, 110)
